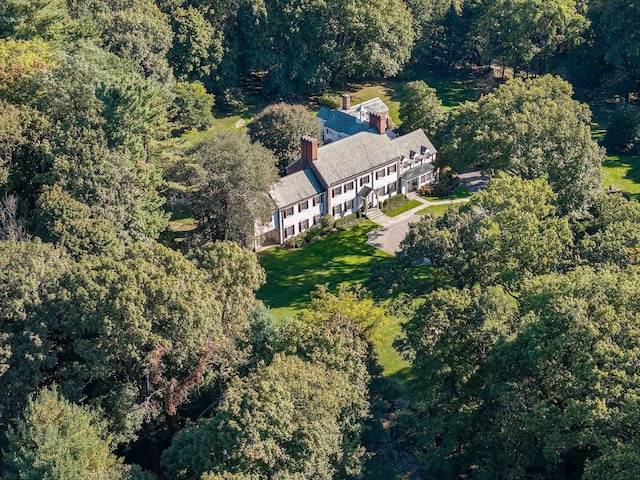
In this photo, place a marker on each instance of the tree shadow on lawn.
(343, 257)
(625, 169)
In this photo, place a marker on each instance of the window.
(337, 210)
(336, 191)
(391, 187)
(317, 200)
(348, 205)
(423, 178)
(288, 212)
(316, 219)
(380, 174)
(380, 191)
(303, 205)
(289, 231)
(392, 169)
(364, 180)
(304, 225)
(348, 186)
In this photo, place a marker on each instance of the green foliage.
(56, 439)
(526, 33)
(20, 59)
(623, 131)
(330, 100)
(279, 127)
(197, 44)
(69, 224)
(236, 274)
(542, 385)
(367, 39)
(30, 274)
(296, 241)
(531, 128)
(420, 108)
(614, 22)
(133, 110)
(347, 221)
(192, 106)
(504, 235)
(151, 324)
(45, 19)
(327, 221)
(288, 419)
(612, 235)
(229, 179)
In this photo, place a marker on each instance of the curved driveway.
(393, 229)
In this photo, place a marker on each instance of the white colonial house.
(349, 120)
(347, 176)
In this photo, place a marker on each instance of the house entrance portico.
(412, 180)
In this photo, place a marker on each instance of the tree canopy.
(279, 127)
(531, 128)
(229, 179)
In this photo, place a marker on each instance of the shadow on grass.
(343, 257)
(624, 173)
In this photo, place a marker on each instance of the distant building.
(349, 175)
(339, 124)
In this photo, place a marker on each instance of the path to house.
(392, 230)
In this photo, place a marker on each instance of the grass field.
(623, 171)
(437, 209)
(461, 192)
(343, 257)
(404, 208)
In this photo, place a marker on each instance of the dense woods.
(127, 355)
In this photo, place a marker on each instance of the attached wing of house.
(350, 175)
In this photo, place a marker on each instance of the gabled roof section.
(342, 122)
(363, 152)
(373, 105)
(296, 187)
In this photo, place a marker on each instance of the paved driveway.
(393, 230)
(388, 238)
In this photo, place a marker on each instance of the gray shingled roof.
(365, 151)
(417, 171)
(296, 187)
(342, 122)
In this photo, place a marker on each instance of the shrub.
(441, 189)
(313, 233)
(347, 221)
(327, 221)
(393, 203)
(296, 241)
(330, 100)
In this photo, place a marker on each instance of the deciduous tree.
(420, 108)
(279, 128)
(532, 128)
(504, 235)
(229, 179)
(56, 439)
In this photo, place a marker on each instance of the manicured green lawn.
(437, 209)
(461, 192)
(386, 92)
(404, 208)
(624, 173)
(452, 90)
(343, 257)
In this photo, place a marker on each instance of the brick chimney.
(308, 153)
(346, 101)
(378, 120)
